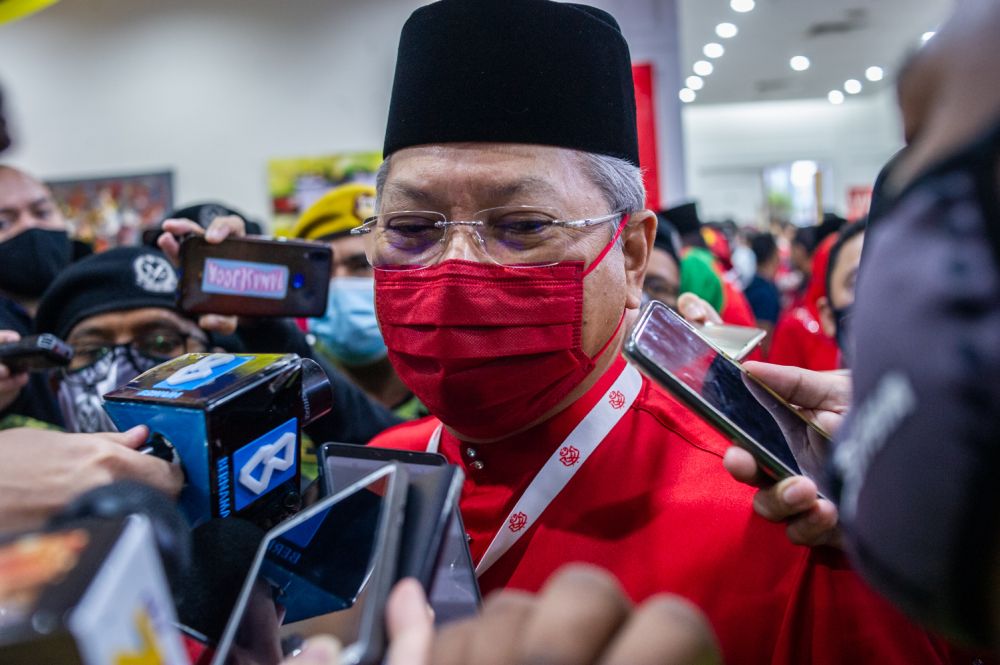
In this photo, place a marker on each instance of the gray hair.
(620, 181)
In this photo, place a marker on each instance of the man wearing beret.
(510, 245)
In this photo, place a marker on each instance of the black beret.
(119, 279)
(513, 71)
(201, 214)
(684, 218)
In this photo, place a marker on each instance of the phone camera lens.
(298, 281)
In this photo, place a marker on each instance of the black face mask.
(918, 454)
(842, 328)
(30, 261)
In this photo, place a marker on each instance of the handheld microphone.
(235, 423)
(223, 551)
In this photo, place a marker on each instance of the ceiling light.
(703, 68)
(926, 37)
(695, 82)
(687, 95)
(713, 50)
(874, 73)
(742, 6)
(836, 97)
(852, 86)
(799, 63)
(726, 30)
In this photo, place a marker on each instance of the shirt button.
(477, 465)
(471, 453)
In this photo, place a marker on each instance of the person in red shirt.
(509, 247)
(799, 339)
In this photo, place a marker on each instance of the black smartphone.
(254, 277)
(328, 570)
(672, 352)
(36, 353)
(434, 546)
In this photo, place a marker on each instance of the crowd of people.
(480, 296)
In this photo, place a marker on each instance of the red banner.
(645, 120)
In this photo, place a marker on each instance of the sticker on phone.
(245, 278)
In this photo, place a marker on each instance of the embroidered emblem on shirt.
(569, 455)
(517, 522)
(617, 399)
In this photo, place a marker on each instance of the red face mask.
(488, 349)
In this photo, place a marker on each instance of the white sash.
(562, 466)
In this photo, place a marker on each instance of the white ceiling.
(840, 37)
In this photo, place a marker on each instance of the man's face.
(25, 203)
(663, 278)
(843, 278)
(801, 259)
(152, 331)
(349, 258)
(462, 179)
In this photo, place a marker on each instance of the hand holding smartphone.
(672, 353)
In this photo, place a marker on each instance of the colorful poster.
(114, 211)
(295, 183)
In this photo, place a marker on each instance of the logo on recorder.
(265, 464)
(200, 373)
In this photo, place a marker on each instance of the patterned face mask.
(81, 392)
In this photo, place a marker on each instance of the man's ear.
(826, 320)
(637, 246)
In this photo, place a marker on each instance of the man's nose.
(462, 243)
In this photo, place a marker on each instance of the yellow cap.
(336, 212)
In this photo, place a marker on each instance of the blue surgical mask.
(349, 330)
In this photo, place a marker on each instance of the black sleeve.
(356, 418)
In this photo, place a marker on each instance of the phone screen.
(314, 574)
(717, 387)
(255, 277)
(454, 592)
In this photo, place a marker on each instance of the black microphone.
(223, 553)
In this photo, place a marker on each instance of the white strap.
(562, 465)
(434, 443)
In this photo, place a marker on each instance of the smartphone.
(735, 341)
(328, 570)
(673, 353)
(254, 277)
(434, 548)
(36, 353)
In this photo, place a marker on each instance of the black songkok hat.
(119, 279)
(684, 218)
(513, 71)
